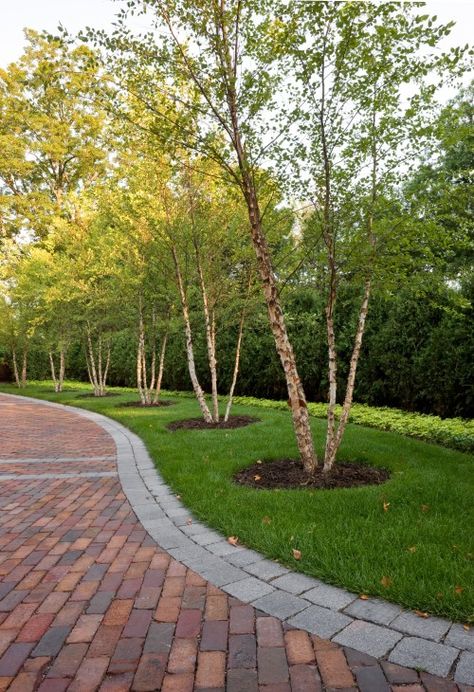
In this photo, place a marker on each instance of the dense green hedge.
(450, 432)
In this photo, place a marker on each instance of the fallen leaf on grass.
(233, 540)
(259, 461)
(386, 505)
(386, 581)
(296, 554)
(421, 614)
(458, 589)
(412, 549)
(266, 520)
(425, 508)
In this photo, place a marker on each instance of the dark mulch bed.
(200, 423)
(289, 473)
(138, 404)
(91, 395)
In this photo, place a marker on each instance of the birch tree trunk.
(210, 333)
(58, 381)
(53, 371)
(334, 436)
(24, 367)
(140, 356)
(161, 367)
(346, 407)
(62, 367)
(236, 366)
(296, 395)
(189, 341)
(97, 374)
(15, 369)
(238, 350)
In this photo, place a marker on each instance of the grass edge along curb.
(456, 433)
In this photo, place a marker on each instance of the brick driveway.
(89, 601)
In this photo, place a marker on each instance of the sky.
(75, 14)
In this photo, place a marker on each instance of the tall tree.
(50, 133)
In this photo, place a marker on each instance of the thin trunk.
(153, 354)
(346, 407)
(91, 365)
(89, 373)
(141, 337)
(160, 369)
(139, 371)
(332, 376)
(62, 368)
(210, 335)
(329, 240)
(332, 448)
(189, 342)
(15, 369)
(99, 365)
(236, 366)
(104, 378)
(24, 366)
(53, 371)
(284, 348)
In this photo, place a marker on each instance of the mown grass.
(419, 552)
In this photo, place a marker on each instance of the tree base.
(139, 404)
(289, 473)
(200, 423)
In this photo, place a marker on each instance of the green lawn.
(421, 548)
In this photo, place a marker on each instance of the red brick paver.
(88, 601)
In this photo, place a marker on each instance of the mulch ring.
(200, 423)
(91, 395)
(139, 404)
(289, 473)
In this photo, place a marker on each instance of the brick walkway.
(89, 601)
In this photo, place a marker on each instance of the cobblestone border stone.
(374, 626)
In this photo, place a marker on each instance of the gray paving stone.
(427, 628)
(180, 521)
(460, 638)
(374, 610)
(224, 574)
(369, 638)
(162, 492)
(266, 569)
(168, 538)
(206, 538)
(295, 583)
(189, 552)
(321, 621)
(464, 673)
(280, 604)
(243, 557)
(223, 548)
(425, 655)
(330, 596)
(177, 512)
(149, 511)
(248, 589)
(194, 528)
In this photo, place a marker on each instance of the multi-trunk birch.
(362, 84)
(210, 49)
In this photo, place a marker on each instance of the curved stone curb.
(374, 626)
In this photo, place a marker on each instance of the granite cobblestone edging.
(374, 627)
